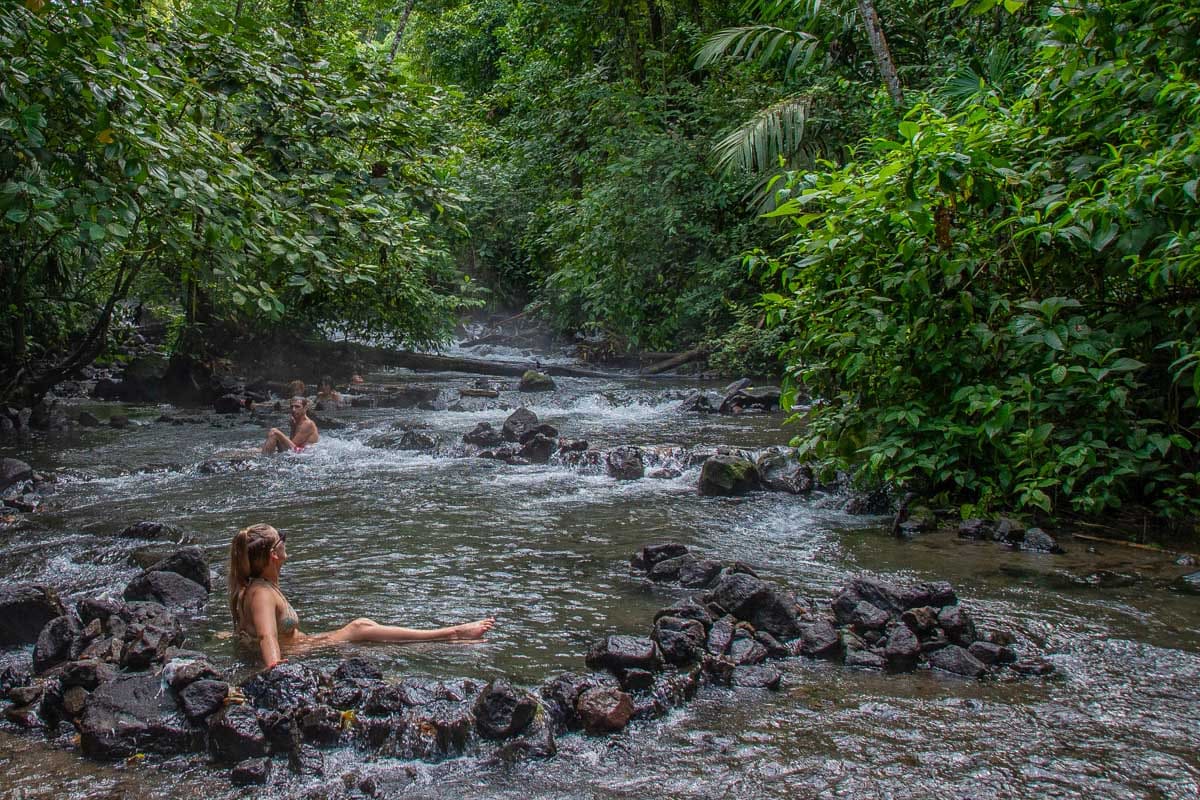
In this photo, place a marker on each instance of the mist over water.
(429, 539)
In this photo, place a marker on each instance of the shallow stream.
(424, 540)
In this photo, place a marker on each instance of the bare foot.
(474, 630)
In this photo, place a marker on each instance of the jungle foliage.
(233, 170)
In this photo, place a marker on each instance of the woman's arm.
(262, 611)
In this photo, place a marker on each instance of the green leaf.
(17, 215)
(1058, 374)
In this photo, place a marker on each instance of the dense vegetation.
(965, 231)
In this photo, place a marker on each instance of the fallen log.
(676, 361)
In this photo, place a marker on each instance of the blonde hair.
(248, 557)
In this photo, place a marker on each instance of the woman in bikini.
(261, 613)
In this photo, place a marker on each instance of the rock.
(87, 419)
(234, 735)
(753, 600)
(518, 423)
(1033, 666)
(133, 714)
(1009, 531)
(251, 772)
(751, 398)
(757, 677)
(74, 700)
(538, 449)
(604, 709)
(902, 649)
(202, 698)
(424, 441)
(285, 688)
(1189, 583)
(867, 617)
(549, 431)
(483, 435)
(728, 475)
(188, 562)
(633, 679)
(534, 381)
(26, 608)
(921, 621)
(321, 725)
(1038, 541)
(13, 471)
(229, 404)
(561, 694)
(687, 608)
(652, 554)
(169, 588)
(625, 463)
(863, 659)
(720, 636)
(745, 649)
(87, 673)
(991, 654)
(680, 640)
(819, 640)
(958, 625)
(975, 529)
(147, 645)
(956, 660)
(781, 471)
(58, 641)
(151, 530)
(699, 573)
(697, 403)
(118, 421)
(624, 652)
(502, 711)
(536, 742)
(306, 760)
(668, 568)
(435, 731)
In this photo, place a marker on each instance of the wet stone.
(235, 735)
(820, 640)
(502, 711)
(720, 636)
(681, 640)
(24, 610)
(902, 649)
(59, 641)
(203, 697)
(321, 725)
(921, 621)
(744, 649)
(251, 772)
(651, 554)
(633, 679)
(604, 710)
(957, 624)
(991, 654)
(867, 617)
(616, 652)
(699, 573)
(757, 677)
(864, 659)
(686, 609)
(286, 688)
(958, 661)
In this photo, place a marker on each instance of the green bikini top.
(287, 621)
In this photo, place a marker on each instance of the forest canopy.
(965, 234)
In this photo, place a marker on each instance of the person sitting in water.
(327, 394)
(297, 388)
(263, 615)
(304, 431)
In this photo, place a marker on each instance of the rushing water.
(423, 540)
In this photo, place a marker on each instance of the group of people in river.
(262, 616)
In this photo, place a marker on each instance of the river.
(428, 539)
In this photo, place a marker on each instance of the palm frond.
(775, 132)
(763, 41)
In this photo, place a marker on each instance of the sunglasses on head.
(282, 537)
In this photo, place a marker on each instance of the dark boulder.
(182, 670)
(502, 711)
(956, 660)
(751, 398)
(229, 404)
(25, 608)
(151, 530)
(561, 693)
(483, 435)
(519, 423)
(976, 529)
(188, 562)
(251, 772)
(756, 677)
(819, 640)
(604, 709)
(728, 475)
(537, 741)
(538, 449)
(992, 654)
(285, 688)
(541, 429)
(58, 641)
(146, 644)
(958, 625)
(668, 569)
(234, 735)
(13, 471)
(867, 617)
(753, 600)
(720, 636)
(132, 714)
(922, 621)
(697, 403)
(168, 588)
(652, 554)
(687, 608)
(902, 649)
(534, 381)
(87, 673)
(782, 471)
(321, 725)
(745, 649)
(435, 731)
(680, 640)
(202, 698)
(624, 652)
(625, 463)
(1038, 541)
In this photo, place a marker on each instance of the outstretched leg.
(366, 630)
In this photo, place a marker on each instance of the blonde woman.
(262, 614)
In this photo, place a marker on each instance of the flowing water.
(424, 540)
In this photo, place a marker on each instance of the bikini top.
(287, 621)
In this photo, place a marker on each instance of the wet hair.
(248, 557)
(297, 388)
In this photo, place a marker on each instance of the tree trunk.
(400, 26)
(883, 56)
